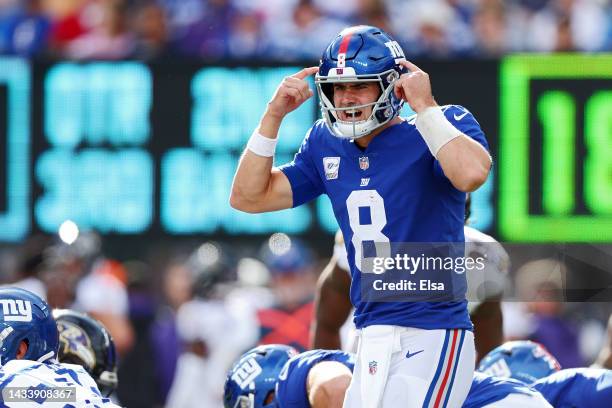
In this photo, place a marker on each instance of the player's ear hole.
(269, 397)
(22, 350)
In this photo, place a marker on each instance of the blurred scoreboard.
(555, 148)
(128, 148)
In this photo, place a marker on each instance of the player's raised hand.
(414, 87)
(291, 93)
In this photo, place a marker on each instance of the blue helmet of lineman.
(252, 380)
(522, 360)
(360, 54)
(26, 317)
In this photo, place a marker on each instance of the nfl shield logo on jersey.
(364, 163)
(331, 165)
(373, 366)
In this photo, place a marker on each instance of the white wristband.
(435, 128)
(261, 145)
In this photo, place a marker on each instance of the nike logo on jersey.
(459, 117)
(408, 355)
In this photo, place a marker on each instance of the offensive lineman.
(85, 341)
(333, 307)
(28, 358)
(389, 181)
(274, 376)
(530, 363)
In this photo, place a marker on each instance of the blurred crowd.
(181, 314)
(294, 30)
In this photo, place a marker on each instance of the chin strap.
(46, 357)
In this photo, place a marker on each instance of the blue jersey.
(487, 390)
(291, 385)
(394, 191)
(577, 387)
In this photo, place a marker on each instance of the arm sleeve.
(303, 175)
(463, 120)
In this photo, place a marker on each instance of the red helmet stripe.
(344, 44)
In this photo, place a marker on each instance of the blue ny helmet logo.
(16, 310)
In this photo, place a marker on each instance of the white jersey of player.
(226, 329)
(101, 292)
(25, 374)
(491, 281)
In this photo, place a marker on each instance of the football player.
(604, 360)
(288, 319)
(277, 376)
(274, 376)
(212, 328)
(530, 363)
(28, 358)
(86, 342)
(487, 391)
(333, 307)
(390, 181)
(485, 289)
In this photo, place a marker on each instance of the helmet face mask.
(245, 401)
(107, 382)
(360, 54)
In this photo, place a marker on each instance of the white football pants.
(409, 367)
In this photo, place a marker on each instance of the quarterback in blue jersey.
(333, 306)
(390, 181)
(570, 388)
(30, 374)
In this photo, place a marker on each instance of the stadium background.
(128, 118)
